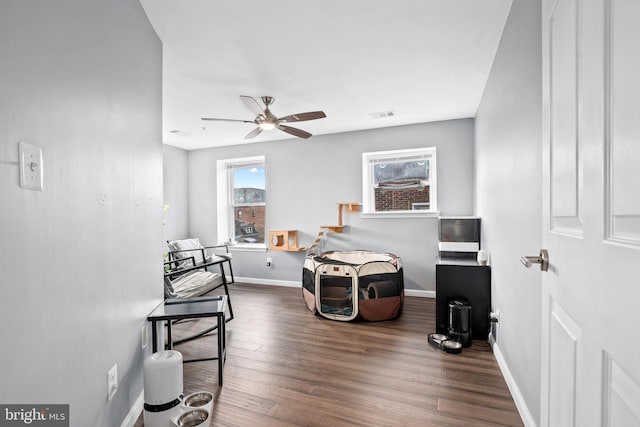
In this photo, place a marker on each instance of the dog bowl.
(193, 418)
(198, 399)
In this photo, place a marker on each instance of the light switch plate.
(31, 176)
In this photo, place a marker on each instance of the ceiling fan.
(266, 120)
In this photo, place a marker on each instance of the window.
(242, 201)
(399, 182)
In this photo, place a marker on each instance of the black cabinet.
(465, 280)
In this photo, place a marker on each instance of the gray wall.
(82, 80)
(305, 180)
(509, 192)
(176, 193)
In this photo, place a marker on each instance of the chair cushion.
(195, 283)
(185, 245)
(168, 289)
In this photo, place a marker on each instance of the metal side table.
(192, 308)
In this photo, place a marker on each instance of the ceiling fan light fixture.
(267, 125)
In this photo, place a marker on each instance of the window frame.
(368, 188)
(226, 204)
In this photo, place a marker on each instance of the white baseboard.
(518, 399)
(419, 293)
(134, 412)
(293, 284)
(270, 282)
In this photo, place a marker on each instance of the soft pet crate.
(357, 284)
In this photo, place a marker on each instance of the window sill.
(248, 248)
(401, 214)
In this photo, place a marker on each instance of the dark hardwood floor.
(288, 367)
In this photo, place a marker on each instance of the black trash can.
(460, 322)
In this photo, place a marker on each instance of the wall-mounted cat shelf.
(287, 240)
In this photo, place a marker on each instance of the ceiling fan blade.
(294, 131)
(253, 133)
(252, 105)
(226, 120)
(300, 117)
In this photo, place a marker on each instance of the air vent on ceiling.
(381, 114)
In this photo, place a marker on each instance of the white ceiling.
(424, 60)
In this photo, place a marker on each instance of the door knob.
(542, 259)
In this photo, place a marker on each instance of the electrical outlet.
(143, 336)
(494, 319)
(112, 381)
(268, 261)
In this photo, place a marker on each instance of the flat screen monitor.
(459, 237)
(459, 229)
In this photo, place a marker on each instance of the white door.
(591, 152)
